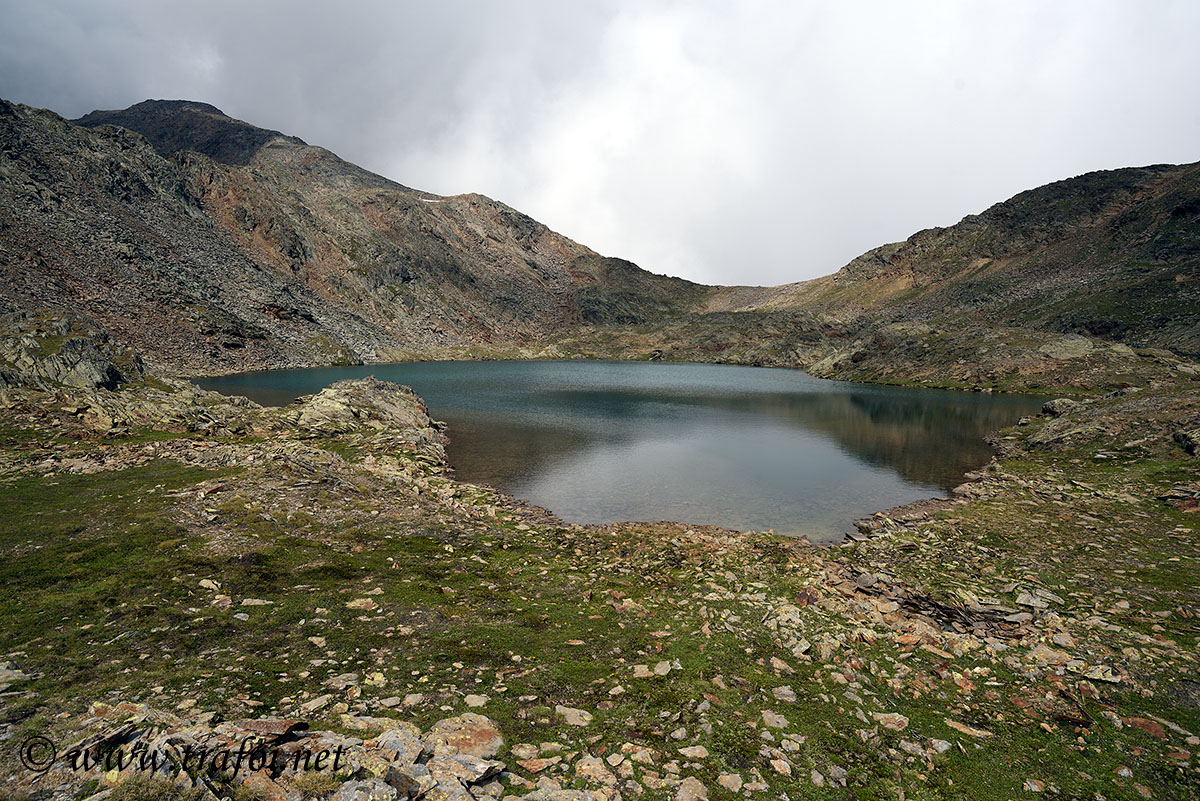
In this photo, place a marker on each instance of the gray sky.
(749, 142)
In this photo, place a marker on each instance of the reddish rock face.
(1149, 726)
(218, 246)
(468, 733)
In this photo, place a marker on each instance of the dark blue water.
(740, 447)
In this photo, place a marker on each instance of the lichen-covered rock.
(468, 733)
(1059, 406)
(363, 404)
(367, 790)
(46, 350)
(1190, 440)
(403, 743)
(462, 768)
(411, 781)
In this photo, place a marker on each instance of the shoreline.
(192, 376)
(317, 563)
(832, 543)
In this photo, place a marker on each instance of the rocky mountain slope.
(1089, 283)
(1112, 254)
(213, 245)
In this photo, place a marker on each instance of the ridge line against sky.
(760, 143)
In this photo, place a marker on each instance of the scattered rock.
(316, 704)
(1059, 406)
(785, 693)
(773, 720)
(1103, 673)
(968, 730)
(465, 768)
(1151, 727)
(572, 716)
(403, 743)
(691, 789)
(538, 765)
(366, 790)
(891, 720)
(1045, 655)
(595, 771)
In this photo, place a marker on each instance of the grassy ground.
(357, 558)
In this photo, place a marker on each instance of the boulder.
(44, 350)
(572, 716)
(367, 790)
(463, 768)
(1059, 406)
(403, 744)
(1072, 346)
(363, 404)
(468, 733)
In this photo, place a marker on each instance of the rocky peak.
(175, 125)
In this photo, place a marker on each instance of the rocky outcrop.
(95, 222)
(1189, 440)
(70, 363)
(158, 752)
(357, 404)
(174, 125)
(45, 350)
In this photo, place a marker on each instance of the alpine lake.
(745, 448)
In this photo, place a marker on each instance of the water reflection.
(741, 447)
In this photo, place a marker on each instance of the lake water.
(741, 447)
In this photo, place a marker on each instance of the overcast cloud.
(749, 142)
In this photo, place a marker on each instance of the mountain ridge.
(174, 125)
(272, 252)
(296, 257)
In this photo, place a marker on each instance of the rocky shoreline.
(187, 568)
